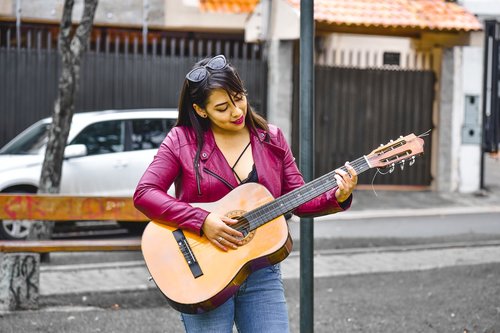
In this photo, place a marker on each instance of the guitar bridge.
(187, 253)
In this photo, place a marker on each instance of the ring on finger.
(220, 239)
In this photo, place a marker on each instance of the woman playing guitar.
(218, 144)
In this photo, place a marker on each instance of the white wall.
(470, 154)
(342, 49)
(186, 15)
(7, 7)
(174, 14)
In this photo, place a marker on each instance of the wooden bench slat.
(67, 208)
(45, 246)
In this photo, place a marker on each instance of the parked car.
(107, 153)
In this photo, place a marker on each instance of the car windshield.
(31, 142)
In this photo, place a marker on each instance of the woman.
(218, 143)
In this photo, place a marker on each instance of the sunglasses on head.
(199, 73)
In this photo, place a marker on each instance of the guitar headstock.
(396, 152)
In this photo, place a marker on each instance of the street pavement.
(133, 275)
(129, 276)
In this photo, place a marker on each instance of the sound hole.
(243, 226)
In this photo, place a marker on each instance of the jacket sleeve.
(324, 204)
(151, 197)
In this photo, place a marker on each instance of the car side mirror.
(77, 150)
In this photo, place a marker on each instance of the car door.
(103, 171)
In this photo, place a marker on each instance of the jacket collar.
(209, 141)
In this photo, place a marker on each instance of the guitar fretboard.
(295, 198)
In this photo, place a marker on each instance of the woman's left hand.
(346, 181)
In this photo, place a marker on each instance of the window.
(102, 138)
(149, 133)
(392, 58)
(32, 141)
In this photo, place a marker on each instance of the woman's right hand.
(219, 231)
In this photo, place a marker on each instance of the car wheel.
(15, 229)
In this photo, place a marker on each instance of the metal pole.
(18, 23)
(306, 161)
(145, 18)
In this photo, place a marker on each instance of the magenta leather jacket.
(274, 162)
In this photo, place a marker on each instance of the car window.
(32, 141)
(149, 133)
(102, 138)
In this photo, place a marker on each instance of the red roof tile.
(228, 6)
(414, 14)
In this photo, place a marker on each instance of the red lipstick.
(239, 121)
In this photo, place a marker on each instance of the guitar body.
(222, 273)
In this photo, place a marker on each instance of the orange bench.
(20, 260)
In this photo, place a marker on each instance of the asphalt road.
(454, 299)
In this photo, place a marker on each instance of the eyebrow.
(220, 104)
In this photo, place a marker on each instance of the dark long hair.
(199, 92)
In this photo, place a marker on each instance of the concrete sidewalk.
(133, 275)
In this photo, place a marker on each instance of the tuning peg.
(391, 170)
(412, 160)
(403, 165)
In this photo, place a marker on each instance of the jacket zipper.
(231, 187)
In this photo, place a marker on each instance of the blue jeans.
(259, 306)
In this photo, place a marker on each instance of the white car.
(107, 153)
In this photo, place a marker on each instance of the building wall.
(448, 145)
(170, 14)
(470, 148)
(7, 7)
(340, 49)
(186, 15)
(280, 85)
(108, 11)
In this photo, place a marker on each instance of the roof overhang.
(403, 18)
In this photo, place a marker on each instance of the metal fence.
(356, 110)
(120, 70)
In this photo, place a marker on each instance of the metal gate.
(357, 109)
(120, 70)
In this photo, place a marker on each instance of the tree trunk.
(71, 50)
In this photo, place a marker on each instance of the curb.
(384, 213)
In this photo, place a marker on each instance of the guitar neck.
(297, 197)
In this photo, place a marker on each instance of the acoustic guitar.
(195, 276)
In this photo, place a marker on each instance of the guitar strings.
(426, 133)
(325, 182)
(253, 222)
